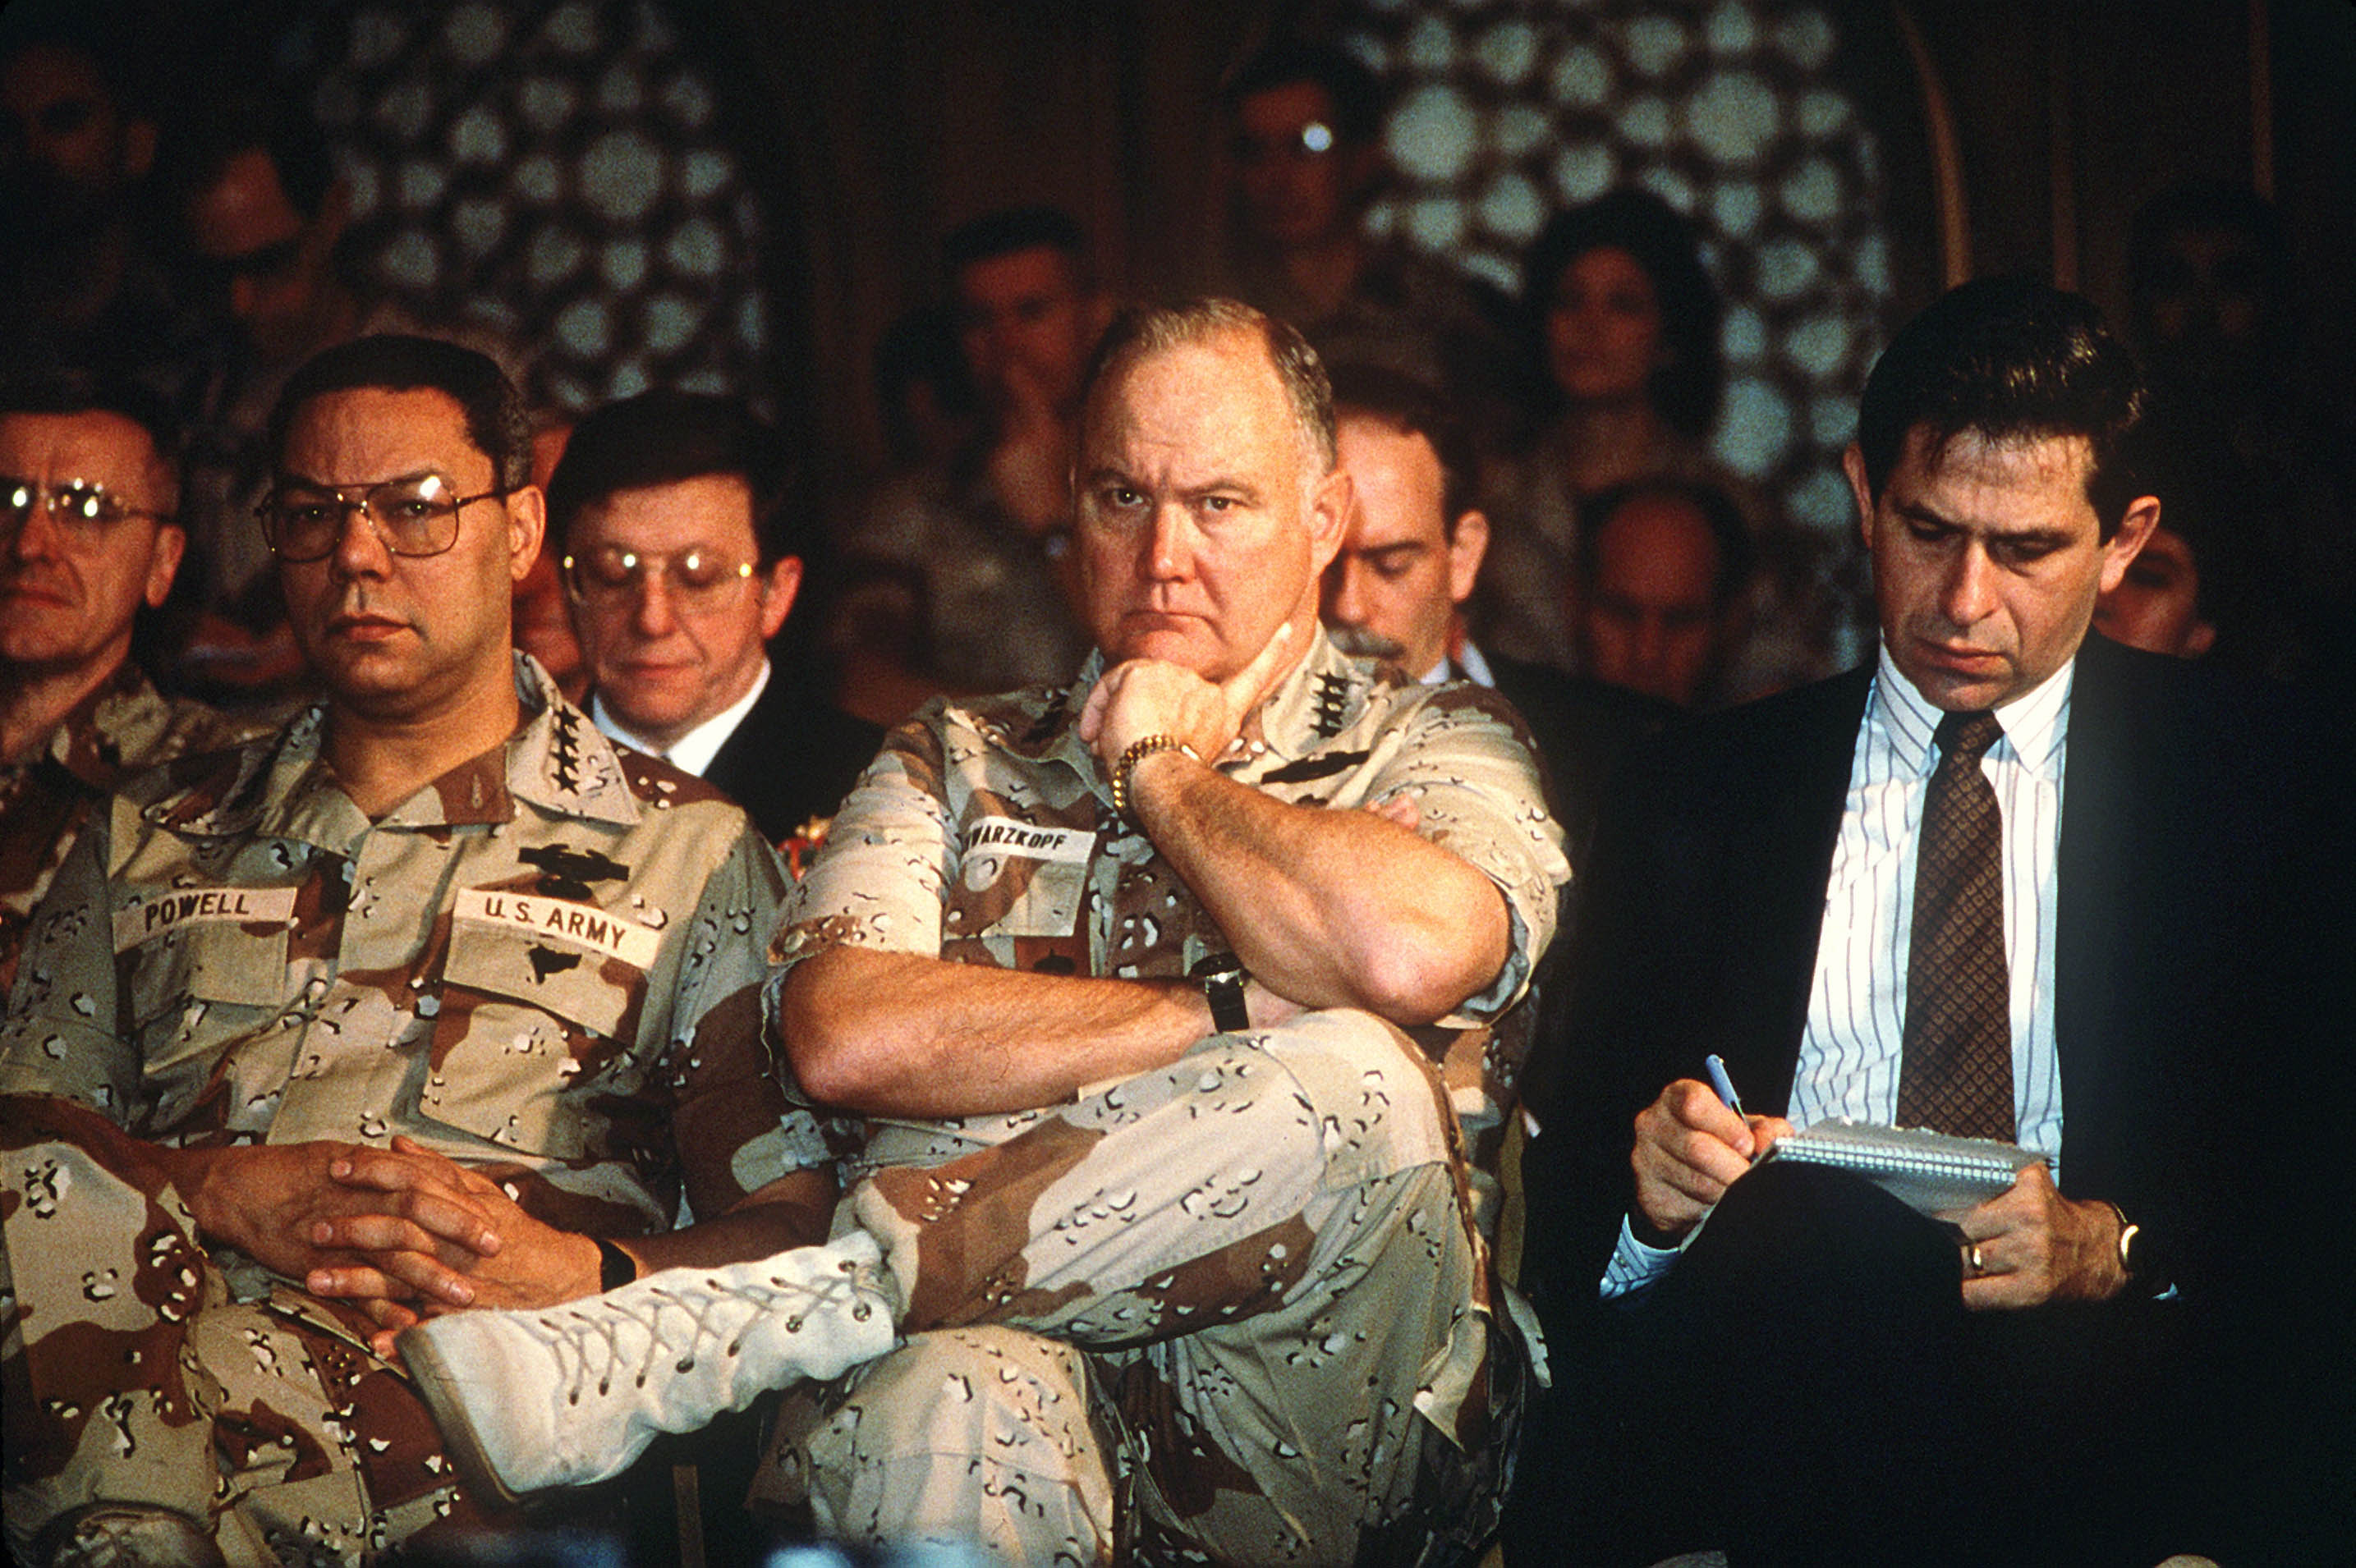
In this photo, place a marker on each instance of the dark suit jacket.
(1584, 729)
(2182, 982)
(793, 758)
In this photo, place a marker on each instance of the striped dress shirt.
(1851, 1049)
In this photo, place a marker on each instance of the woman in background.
(1622, 321)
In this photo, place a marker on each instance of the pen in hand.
(1725, 1085)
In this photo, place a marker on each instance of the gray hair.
(1142, 330)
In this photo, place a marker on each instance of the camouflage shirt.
(545, 965)
(124, 725)
(985, 833)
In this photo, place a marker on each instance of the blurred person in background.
(2156, 605)
(2215, 309)
(1397, 587)
(1305, 159)
(682, 552)
(986, 532)
(85, 281)
(1623, 321)
(1661, 595)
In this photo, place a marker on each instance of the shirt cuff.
(1634, 1267)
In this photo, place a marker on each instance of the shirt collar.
(2033, 723)
(556, 760)
(1319, 698)
(691, 752)
(1467, 663)
(90, 740)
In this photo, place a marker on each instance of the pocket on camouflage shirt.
(175, 977)
(1014, 895)
(197, 996)
(523, 1027)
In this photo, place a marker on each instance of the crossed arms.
(1325, 907)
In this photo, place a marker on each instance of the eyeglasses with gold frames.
(416, 515)
(609, 574)
(82, 508)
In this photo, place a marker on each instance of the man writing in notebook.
(1901, 926)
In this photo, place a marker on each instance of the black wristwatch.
(1223, 986)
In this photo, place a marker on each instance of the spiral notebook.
(1933, 1173)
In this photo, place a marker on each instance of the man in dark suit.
(1821, 1374)
(682, 559)
(1411, 552)
(1407, 564)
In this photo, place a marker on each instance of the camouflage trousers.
(1234, 1310)
(131, 1375)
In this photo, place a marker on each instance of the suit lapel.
(1783, 848)
(2102, 784)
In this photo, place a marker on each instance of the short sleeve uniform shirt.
(985, 833)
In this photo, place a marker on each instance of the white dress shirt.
(695, 750)
(1854, 1041)
(1466, 664)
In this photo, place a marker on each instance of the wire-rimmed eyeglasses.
(610, 574)
(83, 508)
(413, 515)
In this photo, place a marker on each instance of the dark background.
(864, 131)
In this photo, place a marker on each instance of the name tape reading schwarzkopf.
(579, 924)
(201, 906)
(1005, 836)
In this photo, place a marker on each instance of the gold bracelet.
(1137, 751)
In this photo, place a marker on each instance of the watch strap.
(2146, 1275)
(1222, 978)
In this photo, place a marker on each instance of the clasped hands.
(402, 1233)
(2030, 1245)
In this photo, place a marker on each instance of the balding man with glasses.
(436, 1000)
(88, 537)
(683, 554)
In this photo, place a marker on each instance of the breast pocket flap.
(596, 991)
(208, 959)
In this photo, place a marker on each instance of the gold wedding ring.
(1972, 1260)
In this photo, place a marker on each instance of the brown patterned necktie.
(1956, 1074)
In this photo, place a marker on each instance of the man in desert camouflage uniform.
(391, 1015)
(1186, 1266)
(87, 499)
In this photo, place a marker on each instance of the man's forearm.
(896, 1034)
(1327, 907)
(791, 1212)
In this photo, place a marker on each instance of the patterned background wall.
(1505, 112)
(558, 173)
(553, 173)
